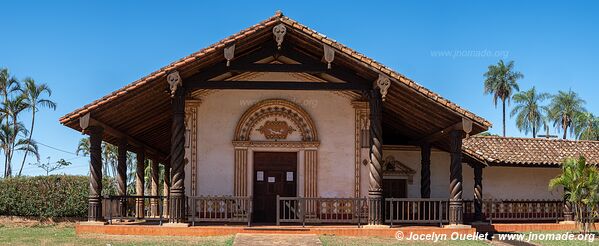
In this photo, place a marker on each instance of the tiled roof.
(528, 151)
(278, 17)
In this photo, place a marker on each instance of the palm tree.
(109, 155)
(32, 98)
(563, 108)
(529, 114)
(501, 80)
(581, 188)
(11, 109)
(8, 85)
(11, 142)
(83, 147)
(587, 126)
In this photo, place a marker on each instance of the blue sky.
(85, 49)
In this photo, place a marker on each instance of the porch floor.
(215, 230)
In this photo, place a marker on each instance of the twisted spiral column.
(425, 171)
(154, 188)
(121, 178)
(95, 174)
(478, 192)
(177, 190)
(375, 190)
(456, 206)
(139, 184)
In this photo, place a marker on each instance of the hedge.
(44, 196)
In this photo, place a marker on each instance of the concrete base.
(569, 222)
(175, 224)
(459, 226)
(93, 223)
(375, 226)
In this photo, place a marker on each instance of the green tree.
(587, 126)
(528, 111)
(8, 85)
(501, 80)
(564, 107)
(581, 188)
(33, 99)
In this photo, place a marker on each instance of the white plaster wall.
(331, 112)
(498, 182)
(513, 183)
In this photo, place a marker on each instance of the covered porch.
(160, 117)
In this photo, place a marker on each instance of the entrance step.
(276, 239)
(275, 229)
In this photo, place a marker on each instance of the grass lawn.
(65, 235)
(359, 241)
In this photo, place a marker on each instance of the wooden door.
(394, 188)
(275, 173)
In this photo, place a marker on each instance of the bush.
(44, 196)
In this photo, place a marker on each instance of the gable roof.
(511, 151)
(154, 84)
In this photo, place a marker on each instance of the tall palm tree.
(8, 85)
(501, 80)
(32, 98)
(528, 111)
(11, 109)
(11, 142)
(563, 108)
(586, 126)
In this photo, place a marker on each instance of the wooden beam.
(339, 72)
(289, 68)
(436, 135)
(275, 85)
(87, 121)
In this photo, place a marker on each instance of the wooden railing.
(124, 208)
(416, 211)
(315, 210)
(232, 209)
(517, 210)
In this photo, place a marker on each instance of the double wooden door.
(275, 173)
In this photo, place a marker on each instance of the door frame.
(299, 168)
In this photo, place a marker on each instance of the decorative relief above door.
(275, 129)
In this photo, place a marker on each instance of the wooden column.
(94, 213)
(166, 188)
(425, 171)
(375, 188)
(177, 190)
(154, 187)
(310, 173)
(240, 182)
(139, 184)
(478, 192)
(456, 206)
(121, 178)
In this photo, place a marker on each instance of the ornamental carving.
(289, 113)
(174, 81)
(383, 83)
(279, 32)
(395, 167)
(275, 129)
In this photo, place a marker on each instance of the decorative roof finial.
(278, 13)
